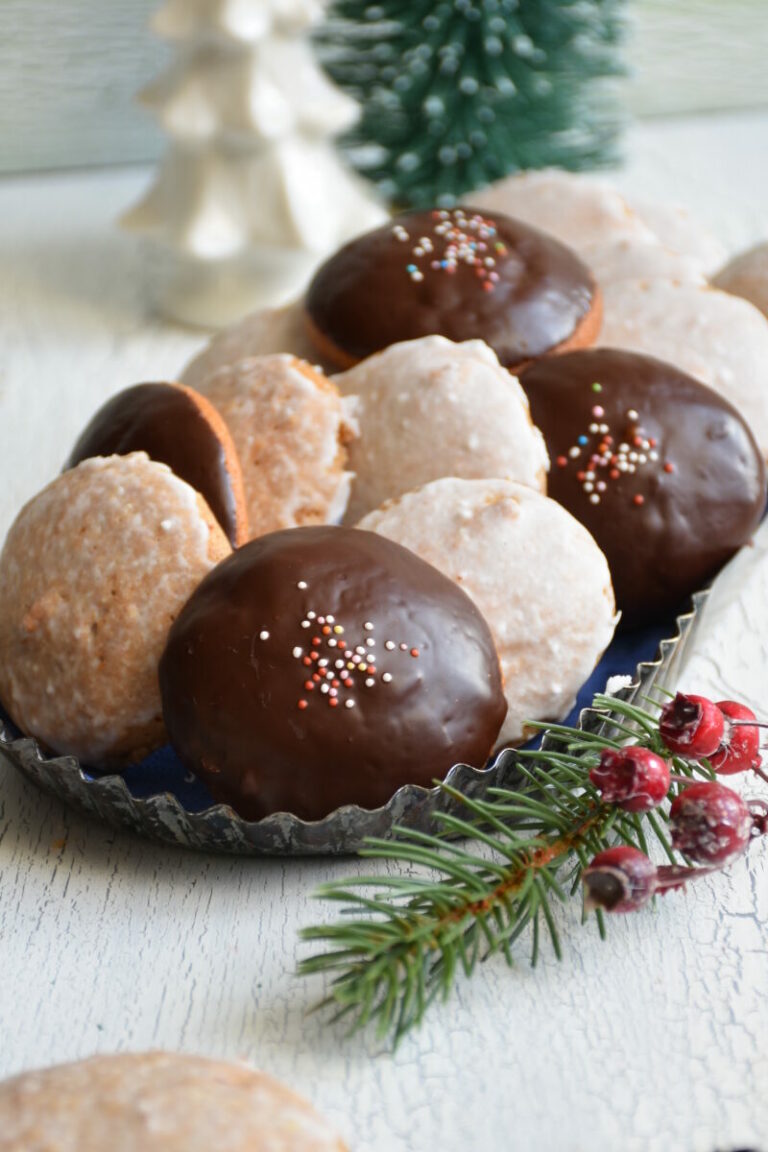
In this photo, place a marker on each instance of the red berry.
(710, 823)
(692, 726)
(635, 779)
(739, 750)
(621, 879)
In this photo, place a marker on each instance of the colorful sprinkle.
(335, 677)
(603, 460)
(457, 238)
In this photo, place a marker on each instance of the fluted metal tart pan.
(163, 817)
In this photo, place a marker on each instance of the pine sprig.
(494, 873)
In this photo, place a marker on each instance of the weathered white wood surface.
(69, 72)
(656, 1041)
(70, 69)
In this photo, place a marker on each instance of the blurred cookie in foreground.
(93, 572)
(292, 430)
(534, 572)
(157, 1102)
(319, 667)
(430, 408)
(176, 426)
(663, 471)
(456, 273)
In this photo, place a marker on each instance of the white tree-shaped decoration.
(251, 195)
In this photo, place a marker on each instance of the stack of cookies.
(384, 530)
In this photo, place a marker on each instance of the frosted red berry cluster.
(709, 823)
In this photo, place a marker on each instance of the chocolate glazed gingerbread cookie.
(176, 426)
(663, 471)
(454, 273)
(326, 666)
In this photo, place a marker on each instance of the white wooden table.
(656, 1041)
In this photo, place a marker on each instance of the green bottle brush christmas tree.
(458, 93)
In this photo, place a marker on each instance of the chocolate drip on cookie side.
(326, 666)
(663, 471)
(454, 273)
(166, 422)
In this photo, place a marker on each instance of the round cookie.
(679, 231)
(576, 209)
(428, 407)
(590, 215)
(453, 273)
(262, 333)
(291, 429)
(747, 276)
(716, 338)
(93, 571)
(157, 1102)
(623, 258)
(178, 427)
(663, 472)
(534, 572)
(319, 667)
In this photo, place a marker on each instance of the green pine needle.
(401, 939)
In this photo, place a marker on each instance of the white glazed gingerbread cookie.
(615, 235)
(577, 210)
(534, 572)
(677, 229)
(429, 408)
(260, 334)
(623, 258)
(292, 430)
(157, 1102)
(747, 276)
(716, 338)
(93, 572)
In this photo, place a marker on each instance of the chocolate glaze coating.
(168, 422)
(364, 298)
(670, 525)
(234, 671)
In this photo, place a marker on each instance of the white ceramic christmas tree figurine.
(251, 195)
